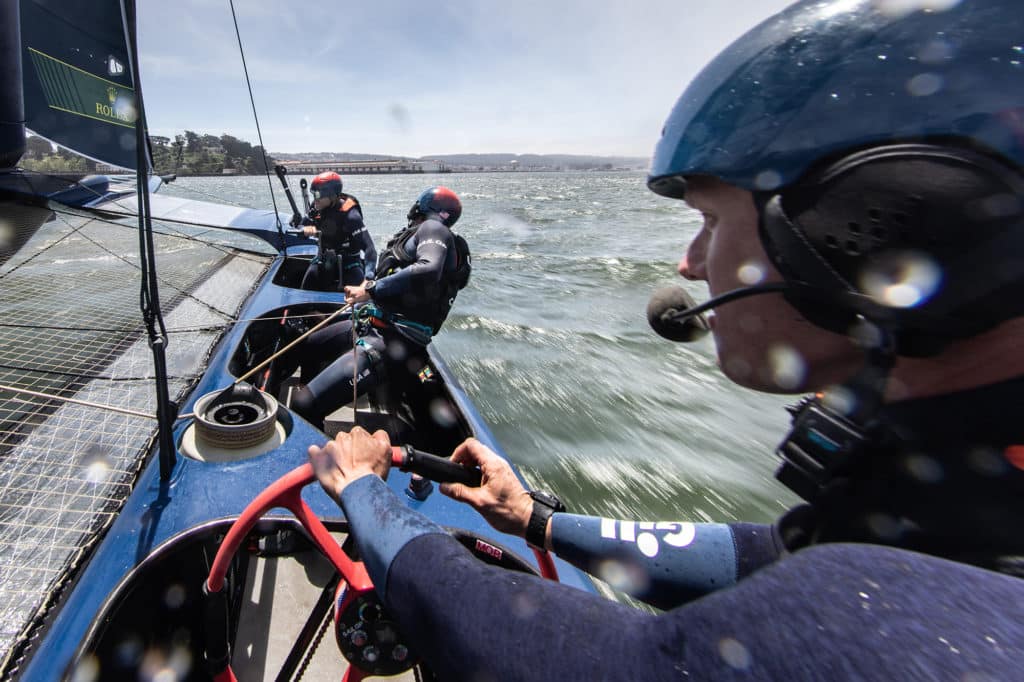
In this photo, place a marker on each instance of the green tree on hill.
(194, 154)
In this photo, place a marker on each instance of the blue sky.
(418, 78)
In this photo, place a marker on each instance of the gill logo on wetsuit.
(645, 534)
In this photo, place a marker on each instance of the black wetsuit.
(409, 303)
(860, 605)
(347, 255)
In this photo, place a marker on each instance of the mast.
(12, 103)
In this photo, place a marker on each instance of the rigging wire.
(170, 330)
(149, 298)
(259, 133)
(79, 231)
(85, 403)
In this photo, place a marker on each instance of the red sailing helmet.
(326, 185)
(440, 202)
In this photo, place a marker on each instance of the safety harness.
(396, 256)
(370, 315)
(336, 217)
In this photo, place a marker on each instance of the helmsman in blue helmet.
(860, 170)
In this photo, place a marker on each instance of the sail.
(78, 85)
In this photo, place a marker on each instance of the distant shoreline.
(444, 172)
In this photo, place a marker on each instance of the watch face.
(547, 499)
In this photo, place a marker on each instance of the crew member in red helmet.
(347, 255)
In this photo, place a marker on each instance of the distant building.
(365, 167)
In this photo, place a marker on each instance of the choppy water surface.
(551, 342)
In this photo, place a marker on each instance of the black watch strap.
(544, 505)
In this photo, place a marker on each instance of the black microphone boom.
(675, 315)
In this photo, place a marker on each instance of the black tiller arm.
(281, 171)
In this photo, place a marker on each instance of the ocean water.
(550, 340)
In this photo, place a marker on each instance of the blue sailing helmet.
(884, 149)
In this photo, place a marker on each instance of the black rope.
(259, 134)
(149, 298)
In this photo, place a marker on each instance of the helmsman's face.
(762, 341)
(321, 203)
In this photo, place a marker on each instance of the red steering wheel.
(356, 589)
(367, 638)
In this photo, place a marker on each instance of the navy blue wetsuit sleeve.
(363, 242)
(664, 563)
(432, 240)
(381, 525)
(850, 612)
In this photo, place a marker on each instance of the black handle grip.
(440, 469)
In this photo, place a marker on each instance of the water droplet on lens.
(737, 368)
(174, 597)
(899, 8)
(924, 84)
(97, 471)
(396, 351)
(7, 233)
(623, 576)
(734, 653)
(442, 413)
(884, 526)
(128, 651)
(925, 469)
(767, 179)
(86, 670)
(840, 399)
(525, 606)
(901, 280)
(987, 462)
(934, 52)
(788, 366)
(751, 273)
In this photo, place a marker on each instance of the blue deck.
(200, 492)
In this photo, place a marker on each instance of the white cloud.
(530, 76)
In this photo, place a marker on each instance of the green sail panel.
(74, 91)
(77, 79)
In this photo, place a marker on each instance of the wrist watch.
(369, 287)
(544, 505)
